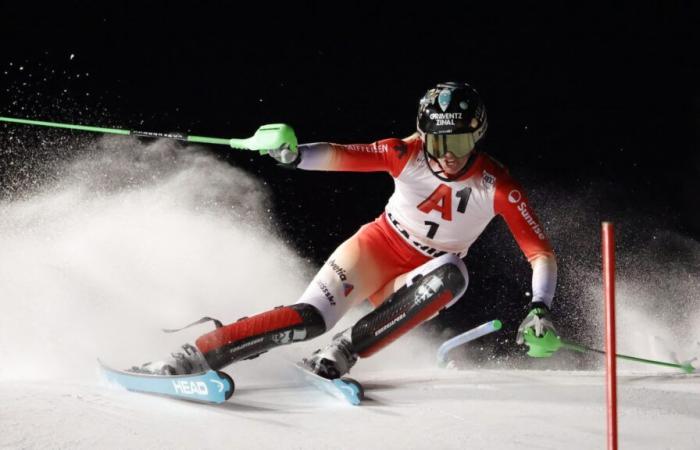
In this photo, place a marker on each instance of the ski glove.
(537, 332)
(284, 155)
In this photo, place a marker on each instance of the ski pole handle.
(268, 137)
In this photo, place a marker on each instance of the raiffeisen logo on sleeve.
(514, 197)
(372, 148)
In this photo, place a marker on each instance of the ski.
(205, 387)
(343, 388)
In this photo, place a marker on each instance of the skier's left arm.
(386, 155)
(512, 204)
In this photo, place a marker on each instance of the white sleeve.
(544, 279)
(314, 156)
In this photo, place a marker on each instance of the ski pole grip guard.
(268, 137)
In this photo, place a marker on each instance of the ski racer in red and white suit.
(425, 218)
(407, 262)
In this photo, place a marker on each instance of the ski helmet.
(451, 117)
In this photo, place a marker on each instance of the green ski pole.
(267, 137)
(686, 366)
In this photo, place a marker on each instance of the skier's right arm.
(388, 155)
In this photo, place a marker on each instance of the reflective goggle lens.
(458, 144)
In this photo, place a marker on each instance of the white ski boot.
(335, 360)
(185, 361)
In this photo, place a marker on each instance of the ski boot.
(185, 361)
(335, 360)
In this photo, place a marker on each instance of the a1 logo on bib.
(444, 99)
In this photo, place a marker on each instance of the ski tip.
(231, 385)
(103, 366)
(351, 389)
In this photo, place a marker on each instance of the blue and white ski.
(206, 387)
(342, 388)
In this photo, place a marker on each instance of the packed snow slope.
(105, 250)
(404, 409)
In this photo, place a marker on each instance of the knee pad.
(434, 286)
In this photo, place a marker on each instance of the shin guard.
(251, 336)
(419, 300)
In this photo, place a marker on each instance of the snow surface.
(130, 238)
(404, 409)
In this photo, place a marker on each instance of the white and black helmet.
(451, 117)
(452, 108)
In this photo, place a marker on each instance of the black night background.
(595, 110)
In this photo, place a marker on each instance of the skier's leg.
(250, 336)
(426, 290)
(357, 268)
(360, 266)
(346, 278)
(244, 339)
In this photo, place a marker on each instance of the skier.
(407, 262)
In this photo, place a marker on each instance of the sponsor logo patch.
(282, 338)
(400, 149)
(390, 324)
(488, 180)
(444, 99)
(427, 289)
(347, 288)
(190, 387)
(326, 292)
(342, 273)
(285, 337)
(445, 118)
(522, 207)
(247, 344)
(373, 148)
(514, 196)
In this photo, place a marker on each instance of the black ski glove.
(285, 156)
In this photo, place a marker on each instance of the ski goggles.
(459, 145)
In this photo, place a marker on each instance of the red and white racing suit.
(424, 218)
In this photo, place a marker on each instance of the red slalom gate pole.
(610, 347)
